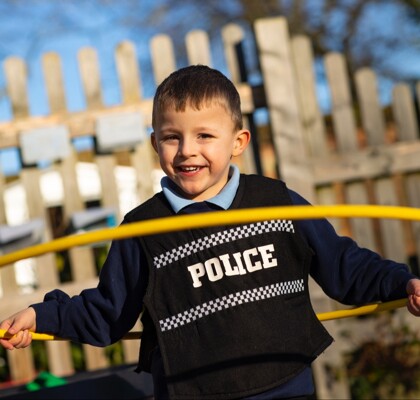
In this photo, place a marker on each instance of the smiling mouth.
(188, 169)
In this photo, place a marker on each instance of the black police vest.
(230, 305)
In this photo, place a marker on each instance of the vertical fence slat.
(90, 77)
(342, 104)
(312, 119)
(281, 93)
(51, 65)
(344, 123)
(392, 230)
(21, 363)
(81, 258)
(198, 48)
(142, 158)
(233, 36)
(128, 72)
(412, 187)
(313, 125)
(362, 229)
(15, 71)
(59, 355)
(373, 124)
(131, 92)
(143, 162)
(109, 197)
(163, 57)
(404, 113)
(47, 273)
(407, 129)
(280, 87)
(373, 121)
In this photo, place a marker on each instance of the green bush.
(387, 368)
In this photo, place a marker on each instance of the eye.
(205, 136)
(169, 138)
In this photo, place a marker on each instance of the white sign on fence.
(115, 131)
(45, 144)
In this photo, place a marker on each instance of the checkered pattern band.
(232, 300)
(225, 236)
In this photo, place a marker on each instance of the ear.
(153, 141)
(242, 139)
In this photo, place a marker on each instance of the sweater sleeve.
(102, 315)
(346, 272)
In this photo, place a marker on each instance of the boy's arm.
(346, 272)
(101, 315)
(413, 290)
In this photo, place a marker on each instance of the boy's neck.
(223, 199)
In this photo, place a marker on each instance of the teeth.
(189, 169)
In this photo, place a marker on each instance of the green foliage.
(387, 368)
(78, 357)
(115, 354)
(39, 352)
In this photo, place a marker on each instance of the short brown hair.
(195, 85)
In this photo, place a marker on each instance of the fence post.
(408, 130)
(141, 158)
(198, 47)
(21, 363)
(280, 88)
(233, 36)
(163, 58)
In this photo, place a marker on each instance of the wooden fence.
(368, 161)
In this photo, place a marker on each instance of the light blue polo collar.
(224, 199)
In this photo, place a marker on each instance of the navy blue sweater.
(102, 315)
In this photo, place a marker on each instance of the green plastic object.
(45, 380)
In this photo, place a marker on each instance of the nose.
(187, 147)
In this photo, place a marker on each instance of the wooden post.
(313, 126)
(280, 88)
(373, 121)
(198, 48)
(408, 130)
(81, 258)
(163, 57)
(131, 91)
(342, 104)
(286, 120)
(21, 363)
(233, 37)
(312, 119)
(374, 128)
(128, 72)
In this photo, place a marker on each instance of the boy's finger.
(413, 305)
(6, 344)
(24, 340)
(15, 327)
(5, 325)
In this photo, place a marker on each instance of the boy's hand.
(413, 291)
(19, 327)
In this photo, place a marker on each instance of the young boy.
(227, 309)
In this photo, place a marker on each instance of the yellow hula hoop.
(327, 316)
(182, 222)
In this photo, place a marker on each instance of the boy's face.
(195, 148)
